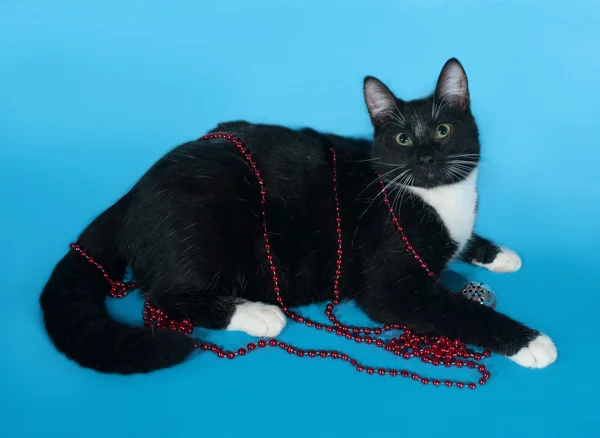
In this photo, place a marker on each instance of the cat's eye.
(403, 139)
(443, 130)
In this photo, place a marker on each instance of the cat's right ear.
(381, 102)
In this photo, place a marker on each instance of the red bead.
(460, 385)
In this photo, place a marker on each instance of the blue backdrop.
(92, 93)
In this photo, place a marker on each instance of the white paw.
(506, 261)
(540, 353)
(257, 319)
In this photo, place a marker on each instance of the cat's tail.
(76, 317)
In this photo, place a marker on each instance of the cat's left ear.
(452, 86)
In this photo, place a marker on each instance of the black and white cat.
(190, 230)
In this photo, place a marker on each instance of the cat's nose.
(427, 160)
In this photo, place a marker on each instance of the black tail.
(76, 317)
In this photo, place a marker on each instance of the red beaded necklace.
(433, 350)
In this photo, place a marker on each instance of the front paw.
(539, 353)
(505, 261)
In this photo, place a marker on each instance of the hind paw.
(257, 319)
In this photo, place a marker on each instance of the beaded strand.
(435, 350)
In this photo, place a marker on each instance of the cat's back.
(292, 163)
(278, 147)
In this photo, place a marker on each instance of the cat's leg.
(484, 253)
(221, 312)
(432, 309)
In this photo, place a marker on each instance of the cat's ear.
(381, 102)
(452, 86)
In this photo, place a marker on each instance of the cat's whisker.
(395, 165)
(462, 166)
(468, 167)
(399, 113)
(464, 155)
(384, 189)
(406, 185)
(395, 180)
(462, 161)
(397, 116)
(440, 107)
(366, 160)
(377, 180)
(474, 157)
(396, 119)
(457, 172)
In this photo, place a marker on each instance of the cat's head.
(425, 142)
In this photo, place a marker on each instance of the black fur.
(190, 229)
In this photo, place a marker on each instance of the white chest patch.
(455, 204)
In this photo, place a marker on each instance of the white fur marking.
(540, 353)
(419, 126)
(257, 319)
(455, 204)
(506, 261)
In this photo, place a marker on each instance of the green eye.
(403, 139)
(442, 131)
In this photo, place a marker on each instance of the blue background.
(92, 93)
